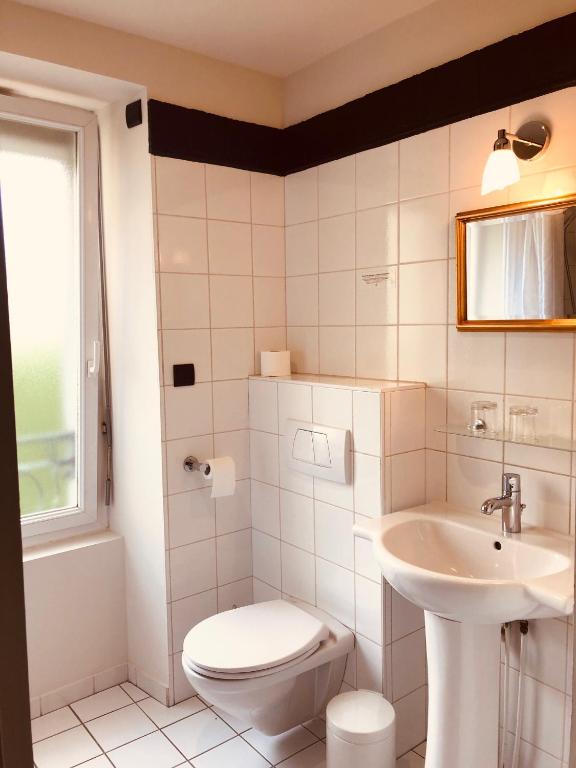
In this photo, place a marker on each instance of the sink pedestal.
(463, 693)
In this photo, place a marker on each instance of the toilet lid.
(253, 638)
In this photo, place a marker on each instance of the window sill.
(53, 548)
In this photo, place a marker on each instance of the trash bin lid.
(361, 717)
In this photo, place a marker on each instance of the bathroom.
(247, 181)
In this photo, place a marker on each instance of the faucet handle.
(510, 483)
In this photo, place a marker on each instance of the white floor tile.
(120, 727)
(164, 716)
(98, 762)
(277, 748)
(232, 721)
(199, 733)
(135, 693)
(311, 757)
(317, 726)
(411, 760)
(232, 753)
(152, 751)
(53, 723)
(420, 749)
(101, 703)
(66, 749)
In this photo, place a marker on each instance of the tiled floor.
(125, 728)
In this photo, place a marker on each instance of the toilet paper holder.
(191, 464)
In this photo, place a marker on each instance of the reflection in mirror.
(522, 266)
(516, 266)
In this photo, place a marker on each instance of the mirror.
(516, 267)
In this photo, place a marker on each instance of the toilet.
(273, 665)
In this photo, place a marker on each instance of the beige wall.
(445, 30)
(169, 73)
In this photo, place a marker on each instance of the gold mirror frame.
(462, 322)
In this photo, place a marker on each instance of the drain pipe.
(506, 639)
(520, 702)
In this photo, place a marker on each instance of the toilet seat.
(253, 641)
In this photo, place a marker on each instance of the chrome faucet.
(510, 503)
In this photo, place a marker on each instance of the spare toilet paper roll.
(275, 363)
(223, 475)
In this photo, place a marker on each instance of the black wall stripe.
(521, 67)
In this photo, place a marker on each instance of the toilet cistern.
(510, 503)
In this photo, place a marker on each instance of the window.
(48, 184)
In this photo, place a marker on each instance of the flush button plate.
(318, 450)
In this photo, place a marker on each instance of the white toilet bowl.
(272, 665)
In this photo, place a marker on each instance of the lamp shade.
(501, 170)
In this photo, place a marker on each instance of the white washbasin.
(458, 565)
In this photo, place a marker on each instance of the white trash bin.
(361, 731)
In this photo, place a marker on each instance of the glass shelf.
(542, 441)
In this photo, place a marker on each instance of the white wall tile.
(470, 144)
(408, 664)
(302, 300)
(265, 503)
(264, 592)
(406, 617)
(422, 353)
(227, 193)
(377, 352)
(184, 300)
(298, 573)
(232, 353)
(230, 405)
(297, 520)
(303, 344)
(290, 479)
(301, 196)
(377, 295)
(367, 422)
(377, 176)
(187, 346)
(188, 411)
(369, 604)
(180, 187)
(407, 420)
(336, 187)
(367, 485)
(237, 445)
(264, 457)
(269, 301)
(302, 249)
(188, 612)
(472, 481)
(294, 402)
(176, 451)
(332, 407)
(231, 302)
(268, 255)
(476, 361)
(424, 229)
(335, 591)
(364, 561)
(408, 479)
(337, 298)
(266, 551)
(423, 292)
(410, 720)
(267, 195)
(233, 512)
(266, 339)
(234, 556)
(337, 243)
(529, 359)
(264, 405)
(547, 498)
(235, 594)
(229, 248)
(377, 236)
(368, 665)
(192, 568)
(424, 165)
(338, 494)
(333, 534)
(191, 517)
(182, 244)
(337, 350)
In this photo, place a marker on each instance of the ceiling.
(277, 37)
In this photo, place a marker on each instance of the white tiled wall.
(221, 295)
(389, 213)
(303, 545)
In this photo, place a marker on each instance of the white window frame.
(84, 124)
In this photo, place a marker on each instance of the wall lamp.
(501, 169)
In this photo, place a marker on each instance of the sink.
(458, 565)
(469, 578)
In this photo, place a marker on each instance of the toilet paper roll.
(274, 363)
(223, 475)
